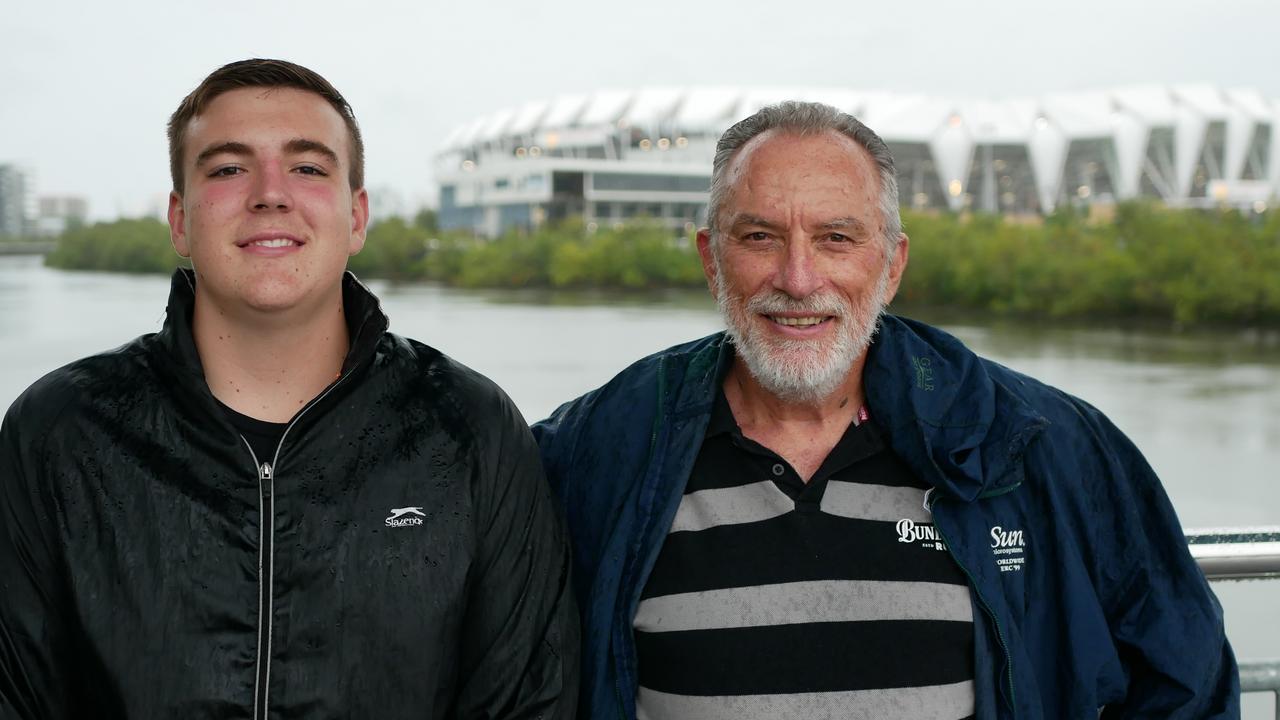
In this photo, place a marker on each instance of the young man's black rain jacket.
(399, 556)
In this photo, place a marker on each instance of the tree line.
(1186, 267)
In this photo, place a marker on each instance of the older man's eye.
(756, 236)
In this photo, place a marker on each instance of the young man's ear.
(178, 225)
(359, 220)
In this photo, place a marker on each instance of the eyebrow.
(851, 224)
(226, 148)
(744, 219)
(293, 147)
(302, 145)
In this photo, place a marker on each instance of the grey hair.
(806, 118)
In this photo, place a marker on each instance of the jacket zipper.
(266, 538)
(1004, 646)
(266, 554)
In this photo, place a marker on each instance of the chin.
(277, 296)
(806, 374)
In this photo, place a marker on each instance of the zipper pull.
(264, 472)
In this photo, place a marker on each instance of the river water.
(1204, 407)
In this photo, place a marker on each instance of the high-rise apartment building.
(15, 201)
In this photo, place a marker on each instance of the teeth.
(273, 243)
(800, 321)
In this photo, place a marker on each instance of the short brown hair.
(265, 74)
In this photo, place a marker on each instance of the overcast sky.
(86, 88)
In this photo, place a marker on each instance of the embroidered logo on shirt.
(1009, 547)
(401, 517)
(909, 531)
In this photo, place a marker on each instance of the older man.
(831, 512)
(273, 507)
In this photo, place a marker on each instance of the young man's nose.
(270, 191)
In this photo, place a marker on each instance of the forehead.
(778, 170)
(260, 116)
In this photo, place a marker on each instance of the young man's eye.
(311, 170)
(227, 171)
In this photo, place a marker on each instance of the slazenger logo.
(401, 517)
(926, 535)
(1009, 547)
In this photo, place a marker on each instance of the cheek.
(323, 197)
(217, 194)
(211, 205)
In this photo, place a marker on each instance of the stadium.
(616, 155)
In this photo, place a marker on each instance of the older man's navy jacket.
(1085, 593)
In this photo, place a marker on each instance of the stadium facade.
(617, 155)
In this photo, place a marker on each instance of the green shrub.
(1186, 267)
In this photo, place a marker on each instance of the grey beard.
(800, 371)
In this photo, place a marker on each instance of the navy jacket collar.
(933, 397)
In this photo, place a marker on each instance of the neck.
(268, 366)
(801, 432)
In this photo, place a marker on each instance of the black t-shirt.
(263, 437)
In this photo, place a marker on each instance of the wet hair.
(806, 118)
(260, 73)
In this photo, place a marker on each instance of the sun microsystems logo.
(400, 517)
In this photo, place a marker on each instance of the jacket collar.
(943, 412)
(366, 323)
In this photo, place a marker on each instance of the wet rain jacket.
(398, 557)
(1085, 593)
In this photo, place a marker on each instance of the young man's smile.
(267, 214)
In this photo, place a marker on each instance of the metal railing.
(1243, 554)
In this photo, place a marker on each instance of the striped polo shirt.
(772, 597)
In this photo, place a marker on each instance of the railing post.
(1243, 554)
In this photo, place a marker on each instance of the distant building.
(612, 156)
(56, 213)
(15, 201)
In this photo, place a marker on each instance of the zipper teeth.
(266, 554)
(257, 685)
(1004, 646)
(266, 598)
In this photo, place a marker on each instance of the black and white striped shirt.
(776, 598)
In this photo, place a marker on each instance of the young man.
(830, 512)
(273, 506)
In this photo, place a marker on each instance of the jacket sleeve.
(35, 639)
(1165, 621)
(554, 439)
(520, 637)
